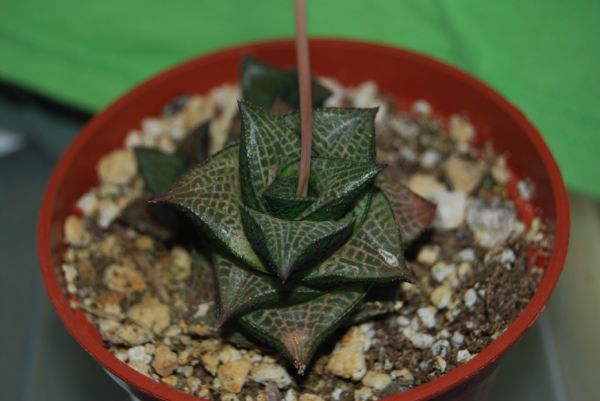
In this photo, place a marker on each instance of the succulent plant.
(290, 269)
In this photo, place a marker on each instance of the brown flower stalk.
(303, 62)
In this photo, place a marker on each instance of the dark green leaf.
(298, 330)
(361, 210)
(282, 201)
(159, 170)
(210, 192)
(288, 245)
(262, 84)
(341, 133)
(412, 212)
(241, 289)
(194, 146)
(266, 144)
(373, 254)
(338, 184)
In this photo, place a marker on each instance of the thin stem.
(303, 61)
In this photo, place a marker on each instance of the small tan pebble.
(358, 336)
(425, 185)
(310, 397)
(139, 354)
(461, 130)
(233, 374)
(108, 211)
(203, 309)
(172, 331)
(466, 255)
(166, 144)
(421, 106)
(291, 395)
(254, 356)
(107, 191)
(265, 372)
(141, 367)
(120, 354)
(70, 276)
(441, 347)
(429, 254)
(129, 334)
(363, 394)
(403, 376)
(177, 130)
(418, 340)
(348, 362)
(458, 339)
(133, 139)
(500, 171)
(261, 396)
(450, 212)
(117, 167)
(144, 242)
(228, 397)
(228, 354)
(75, 231)
(429, 159)
(441, 296)
(463, 355)
(185, 356)
(123, 279)
(151, 314)
(464, 175)
(442, 270)
(470, 297)
(440, 363)
(365, 95)
(196, 111)
(110, 246)
(204, 392)
(181, 263)
(110, 302)
(88, 203)
(211, 345)
(376, 380)
(427, 316)
(153, 127)
(201, 330)
(170, 381)
(492, 223)
(464, 270)
(210, 363)
(193, 384)
(165, 360)
(186, 371)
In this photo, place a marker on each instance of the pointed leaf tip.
(299, 329)
(373, 254)
(266, 144)
(289, 245)
(412, 212)
(240, 289)
(210, 194)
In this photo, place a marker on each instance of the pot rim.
(440, 385)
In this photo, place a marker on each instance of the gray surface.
(39, 361)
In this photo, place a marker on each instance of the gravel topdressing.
(154, 302)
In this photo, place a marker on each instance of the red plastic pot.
(406, 75)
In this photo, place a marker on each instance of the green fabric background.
(543, 55)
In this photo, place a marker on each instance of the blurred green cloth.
(543, 55)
